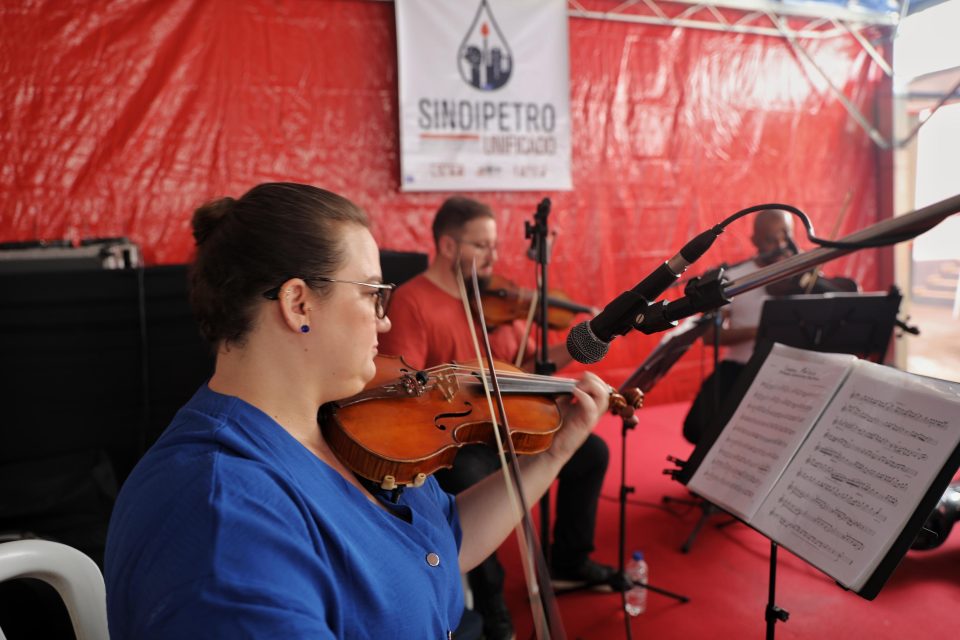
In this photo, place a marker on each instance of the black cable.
(829, 244)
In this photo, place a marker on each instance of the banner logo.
(479, 112)
(484, 57)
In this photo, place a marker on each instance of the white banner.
(484, 95)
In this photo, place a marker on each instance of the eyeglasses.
(480, 246)
(383, 292)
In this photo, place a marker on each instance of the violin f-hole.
(451, 414)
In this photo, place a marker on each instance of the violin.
(812, 282)
(407, 424)
(503, 301)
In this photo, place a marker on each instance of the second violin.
(504, 301)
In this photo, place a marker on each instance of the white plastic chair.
(75, 577)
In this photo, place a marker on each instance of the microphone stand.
(539, 253)
(710, 291)
(538, 234)
(626, 490)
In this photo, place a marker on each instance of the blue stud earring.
(304, 328)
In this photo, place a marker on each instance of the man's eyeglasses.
(384, 293)
(480, 246)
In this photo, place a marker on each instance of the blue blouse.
(230, 528)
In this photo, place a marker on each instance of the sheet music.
(788, 393)
(857, 479)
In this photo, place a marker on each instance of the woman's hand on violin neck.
(581, 412)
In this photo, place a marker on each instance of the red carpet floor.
(725, 574)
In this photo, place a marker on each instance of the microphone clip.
(703, 293)
(539, 249)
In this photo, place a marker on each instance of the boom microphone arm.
(711, 291)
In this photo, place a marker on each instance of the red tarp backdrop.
(121, 118)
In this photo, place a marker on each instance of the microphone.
(589, 341)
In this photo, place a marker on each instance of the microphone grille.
(584, 346)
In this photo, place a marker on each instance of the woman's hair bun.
(209, 217)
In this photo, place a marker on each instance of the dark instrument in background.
(940, 522)
(504, 301)
(812, 282)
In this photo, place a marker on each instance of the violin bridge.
(448, 386)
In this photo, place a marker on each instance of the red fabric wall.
(121, 118)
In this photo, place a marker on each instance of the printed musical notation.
(888, 444)
(834, 487)
(857, 483)
(770, 423)
(814, 541)
(732, 484)
(897, 409)
(861, 470)
(839, 513)
(866, 417)
(830, 456)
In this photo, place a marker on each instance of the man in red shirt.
(430, 328)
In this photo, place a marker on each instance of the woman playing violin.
(241, 521)
(430, 328)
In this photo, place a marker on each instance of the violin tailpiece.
(411, 384)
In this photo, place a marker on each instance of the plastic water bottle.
(637, 571)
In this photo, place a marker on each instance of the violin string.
(519, 384)
(551, 382)
(515, 382)
(549, 385)
(500, 374)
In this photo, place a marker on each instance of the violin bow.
(527, 326)
(814, 273)
(546, 615)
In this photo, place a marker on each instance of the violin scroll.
(626, 404)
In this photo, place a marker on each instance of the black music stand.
(857, 323)
(908, 534)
